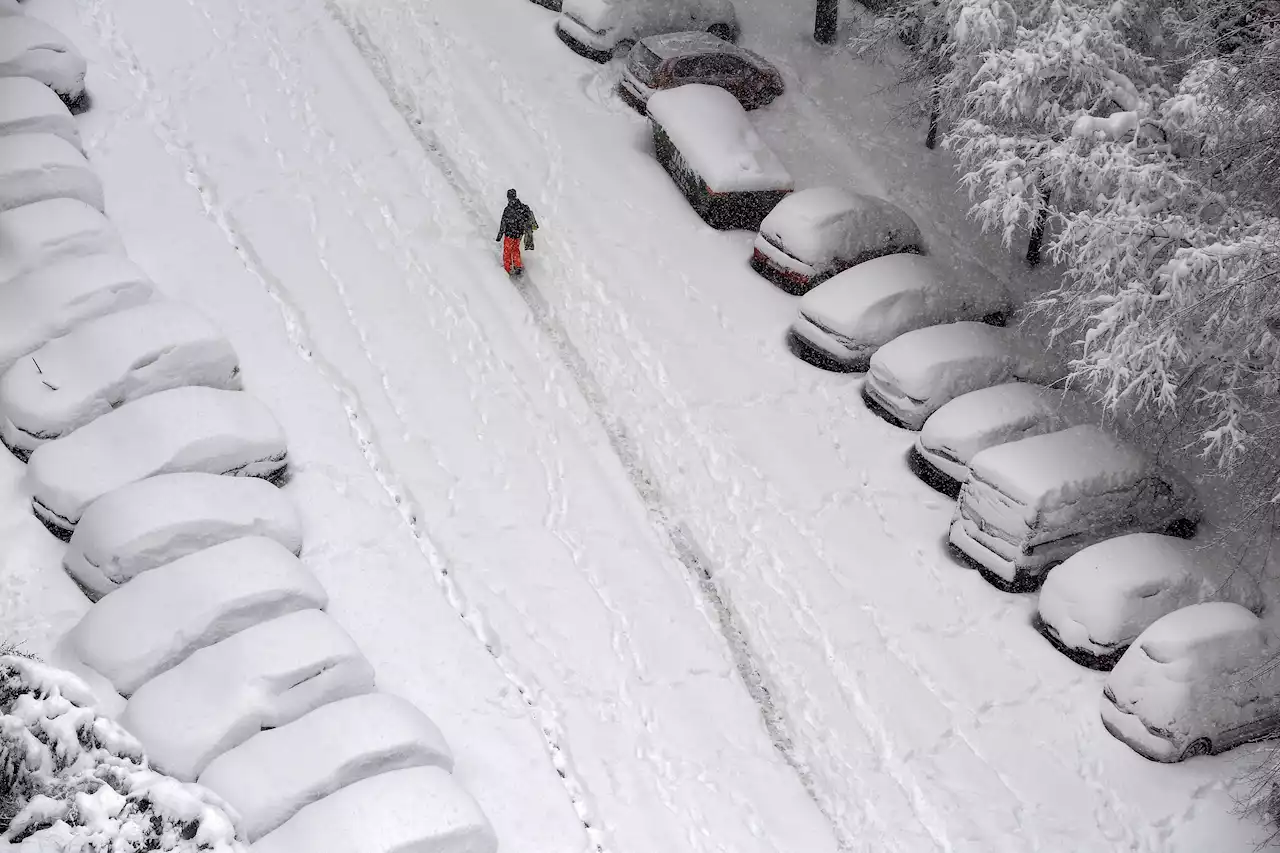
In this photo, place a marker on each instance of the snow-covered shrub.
(75, 781)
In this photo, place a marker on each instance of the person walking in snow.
(517, 223)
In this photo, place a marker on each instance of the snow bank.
(29, 106)
(108, 361)
(155, 521)
(50, 301)
(272, 775)
(224, 694)
(31, 48)
(952, 359)
(183, 429)
(1061, 467)
(161, 617)
(417, 810)
(711, 130)
(40, 166)
(821, 224)
(35, 235)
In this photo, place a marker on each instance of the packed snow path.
(919, 709)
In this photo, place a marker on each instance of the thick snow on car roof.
(844, 298)
(711, 130)
(18, 34)
(920, 362)
(593, 13)
(806, 221)
(1001, 413)
(1082, 460)
(668, 45)
(29, 106)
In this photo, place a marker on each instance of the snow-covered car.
(815, 233)
(1030, 504)
(385, 814)
(663, 62)
(844, 320)
(704, 139)
(162, 617)
(39, 166)
(1198, 681)
(914, 375)
(1093, 605)
(31, 48)
(106, 362)
(972, 422)
(29, 106)
(260, 678)
(49, 302)
(36, 235)
(603, 29)
(273, 775)
(152, 522)
(183, 429)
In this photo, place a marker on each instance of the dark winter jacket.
(517, 220)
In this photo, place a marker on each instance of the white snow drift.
(272, 775)
(416, 810)
(50, 301)
(163, 616)
(40, 166)
(109, 361)
(222, 695)
(35, 235)
(31, 48)
(29, 106)
(156, 521)
(182, 429)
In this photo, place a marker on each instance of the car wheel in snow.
(996, 318)
(1183, 528)
(622, 48)
(1198, 747)
(721, 31)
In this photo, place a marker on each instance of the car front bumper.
(1091, 655)
(892, 409)
(1128, 729)
(820, 349)
(788, 273)
(633, 95)
(583, 42)
(939, 473)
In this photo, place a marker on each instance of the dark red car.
(674, 59)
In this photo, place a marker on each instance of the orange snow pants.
(511, 254)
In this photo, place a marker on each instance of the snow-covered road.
(704, 605)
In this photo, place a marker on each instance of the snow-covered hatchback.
(972, 422)
(1199, 681)
(1030, 504)
(676, 59)
(815, 233)
(603, 29)
(844, 320)
(913, 376)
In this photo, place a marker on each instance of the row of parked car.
(1046, 498)
(207, 637)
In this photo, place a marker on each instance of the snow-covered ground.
(704, 604)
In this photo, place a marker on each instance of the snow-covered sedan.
(182, 429)
(39, 166)
(1100, 599)
(914, 375)
(1198, 681)
(815, 233)
(603, 29)
(676, 59)
(35, 235)
(972, 422)
(31, 48)
(107, 362)
(844, 320)
(29, 106)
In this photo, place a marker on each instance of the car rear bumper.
(815, 346)
(938, 473)
(577, 40)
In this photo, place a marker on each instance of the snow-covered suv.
(603, 29)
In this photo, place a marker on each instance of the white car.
(183, 429)
(844, 320)
(107, 362)
(49, 302)
(31, 48)
(815, 233)
(36, 235)
(1198, 681)
(29, 106)
(39, 166)
(603, 29)
(914, 375)
(972, 422)
(1100, 599)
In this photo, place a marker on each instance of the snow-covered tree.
(76, 781)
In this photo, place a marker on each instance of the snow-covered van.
(972, 422)
(1199, 681)
(703, 138)
(1030, 504)
(603, 29)
(844, 320)
(1094, 605)
(815, 233)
